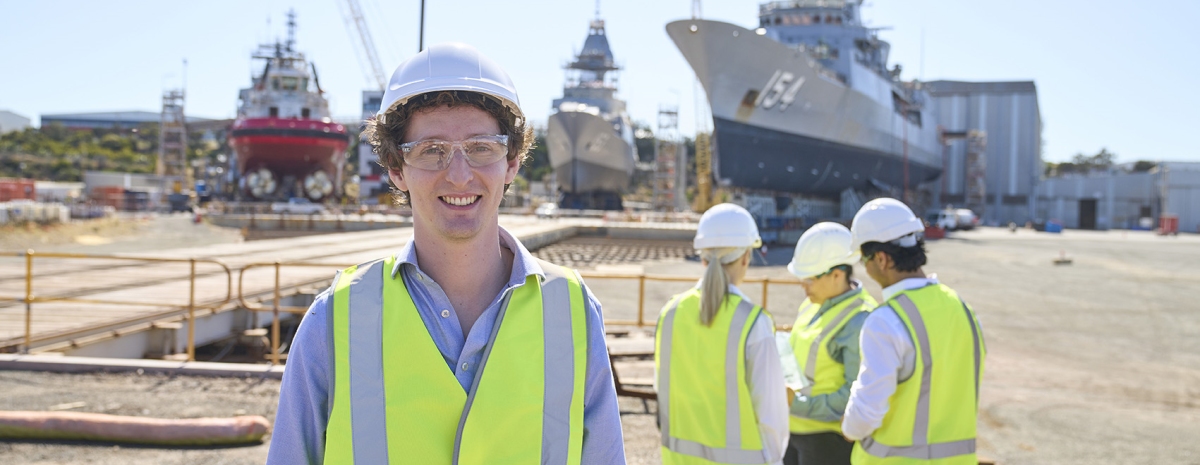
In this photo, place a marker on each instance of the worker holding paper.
(824, 341)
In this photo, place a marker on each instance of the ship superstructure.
(589, 135)
(284, 142)
(805, 102)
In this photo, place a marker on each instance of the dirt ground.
(1097, 361)
(127, 232)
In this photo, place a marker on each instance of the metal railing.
(276, 307)
(30, 298)
(642, 278)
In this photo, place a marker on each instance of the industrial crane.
(368, 45)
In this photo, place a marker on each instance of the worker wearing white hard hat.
(721, 393)
(916, 398)
(824, 341)
(462, 347)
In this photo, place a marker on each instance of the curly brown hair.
(385, 137)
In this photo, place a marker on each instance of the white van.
(956, 219)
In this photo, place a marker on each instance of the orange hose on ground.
(136, 430)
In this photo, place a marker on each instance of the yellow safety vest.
(931, 416)
(809, 340)
(394, 400)
(704, 406)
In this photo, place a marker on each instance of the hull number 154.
(781, 89)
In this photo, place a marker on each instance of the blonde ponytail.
(715, 284)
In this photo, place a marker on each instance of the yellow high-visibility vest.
(704, 406)
(931, 416)
(809, 340)
(395, 400)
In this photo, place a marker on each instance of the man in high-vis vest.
(917, 394)
(461, 348)
(721, 393)
(824, 340)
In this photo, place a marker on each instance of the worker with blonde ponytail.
(721, 393)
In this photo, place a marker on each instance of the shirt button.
(445, 313)
(464, 366)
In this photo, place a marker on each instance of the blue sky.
(1120, 75)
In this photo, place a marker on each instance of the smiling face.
(459, 202)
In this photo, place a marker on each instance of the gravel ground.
(155, 396)
(1093, 362)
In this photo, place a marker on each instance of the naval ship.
(589, 135)
(284, 142)
(805, 103)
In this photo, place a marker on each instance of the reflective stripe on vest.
(743, 314)
(810, 342)
(921, 448)
(420, 412)
(810, 365)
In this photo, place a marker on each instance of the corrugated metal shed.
(109, 119)
(1118, 200)
(1009, 113)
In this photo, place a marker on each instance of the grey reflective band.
(975, 346)
(665, 329)
(487, 352)
(921, 422)
(732, 452)
(712, 454)
(810, 367)
(940, 450)
(368, 422)
(921, 448)
(329, 312)
(559, 350)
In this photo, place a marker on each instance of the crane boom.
(368, 44)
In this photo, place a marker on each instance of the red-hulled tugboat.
(284, 142)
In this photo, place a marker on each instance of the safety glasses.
(809, 280)
(434, 154)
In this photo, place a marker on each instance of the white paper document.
(793, 375)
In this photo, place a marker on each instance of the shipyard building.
(1000, 184)
(120, 120)
(1120, 199)
(10, 122)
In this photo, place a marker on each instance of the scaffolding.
(669, 156)
(975, 179)
(172, 139)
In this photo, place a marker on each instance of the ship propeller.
(261, 183)
(318, 185)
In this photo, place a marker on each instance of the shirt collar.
(908, 285)
(524, 263)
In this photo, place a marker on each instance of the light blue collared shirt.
(299, 431)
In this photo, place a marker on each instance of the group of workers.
(464, 348)
(855, 381)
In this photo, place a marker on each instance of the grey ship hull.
(824, 137)
(587, 155)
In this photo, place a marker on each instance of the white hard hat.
(726, 225)
(449, 66)
(886, 220)
(823, 246)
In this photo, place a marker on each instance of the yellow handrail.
(30, 298)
